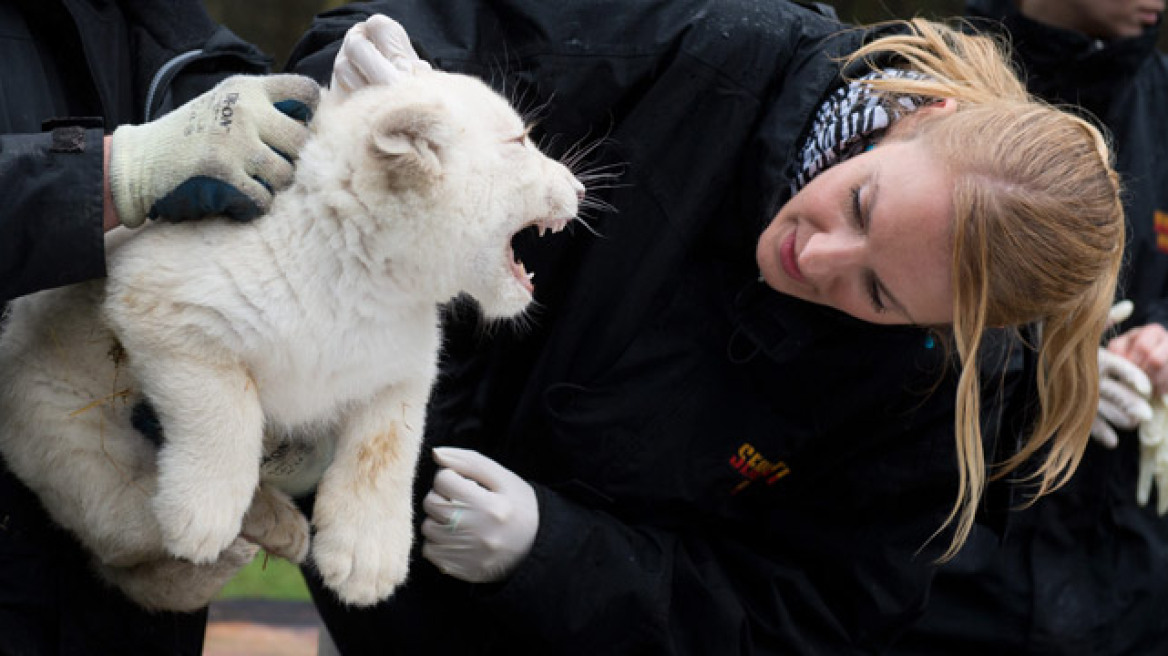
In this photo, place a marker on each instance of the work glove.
(1124, 390)
(481, 519)
(223, 153)
(377, 51)
(1154, 457)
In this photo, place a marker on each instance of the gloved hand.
(1124, 389)
(1124, 393)
(223, 153)
(1154, 456)
(481, 518)
(1146, 347)
(377, 51)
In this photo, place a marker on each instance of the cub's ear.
(407, 140)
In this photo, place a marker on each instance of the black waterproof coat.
(720, 469)
(1085, 571)
(113, 63)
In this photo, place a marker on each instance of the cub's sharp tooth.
(542, 229)
(531, 275)
(558, 226)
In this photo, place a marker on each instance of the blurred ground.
(264, 611)
(262, 627)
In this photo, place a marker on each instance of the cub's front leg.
(363, 513)
(208, 467)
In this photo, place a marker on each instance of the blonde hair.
(1038, 238)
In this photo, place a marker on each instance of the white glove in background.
(481, 518)
(1124, 393)
(1124, 389)
(377, 51)
(1154, 457)
(223, 153)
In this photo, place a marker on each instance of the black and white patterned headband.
(849, 122)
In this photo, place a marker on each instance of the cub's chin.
(511, 286)
(509, 299)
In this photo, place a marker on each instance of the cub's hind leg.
(168, 583)
(65, 430)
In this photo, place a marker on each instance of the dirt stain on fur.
(377, 453)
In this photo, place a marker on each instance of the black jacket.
(115, 63)
(1085, 571)
(720, 469)
(111, 63)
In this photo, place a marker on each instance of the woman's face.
(870, 236)
(1102, 19)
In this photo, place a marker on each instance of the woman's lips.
(787, 258)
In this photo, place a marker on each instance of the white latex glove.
(222, 153)
(1124, 398)
(481, 519)
(1124, 389)
(377, 51)
(1154, 456)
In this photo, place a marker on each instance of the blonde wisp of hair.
(1037, 239)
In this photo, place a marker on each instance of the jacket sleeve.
(51, 218)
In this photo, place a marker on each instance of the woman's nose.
(826, 256)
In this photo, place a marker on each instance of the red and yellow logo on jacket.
(753, 466)
(1161, 226)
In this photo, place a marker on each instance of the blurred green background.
(267, 578)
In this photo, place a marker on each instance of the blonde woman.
(752, 411)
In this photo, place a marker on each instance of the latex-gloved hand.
(377, 51)
(1154, 457)
(1147, 347)
(1124, 389)
(223, 153)
(481, 518)
(1124, 393)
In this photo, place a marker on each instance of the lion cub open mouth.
(522, 275)
(465, 178)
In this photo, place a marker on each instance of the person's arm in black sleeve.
(51, 217)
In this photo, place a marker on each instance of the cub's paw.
(362, 566)
(274, 523)
(199, 526)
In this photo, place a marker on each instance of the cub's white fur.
(317, 321)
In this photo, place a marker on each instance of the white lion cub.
(317, 321)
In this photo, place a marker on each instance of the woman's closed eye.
(859, 220)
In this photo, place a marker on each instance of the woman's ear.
(934, 109)
(941, 106)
